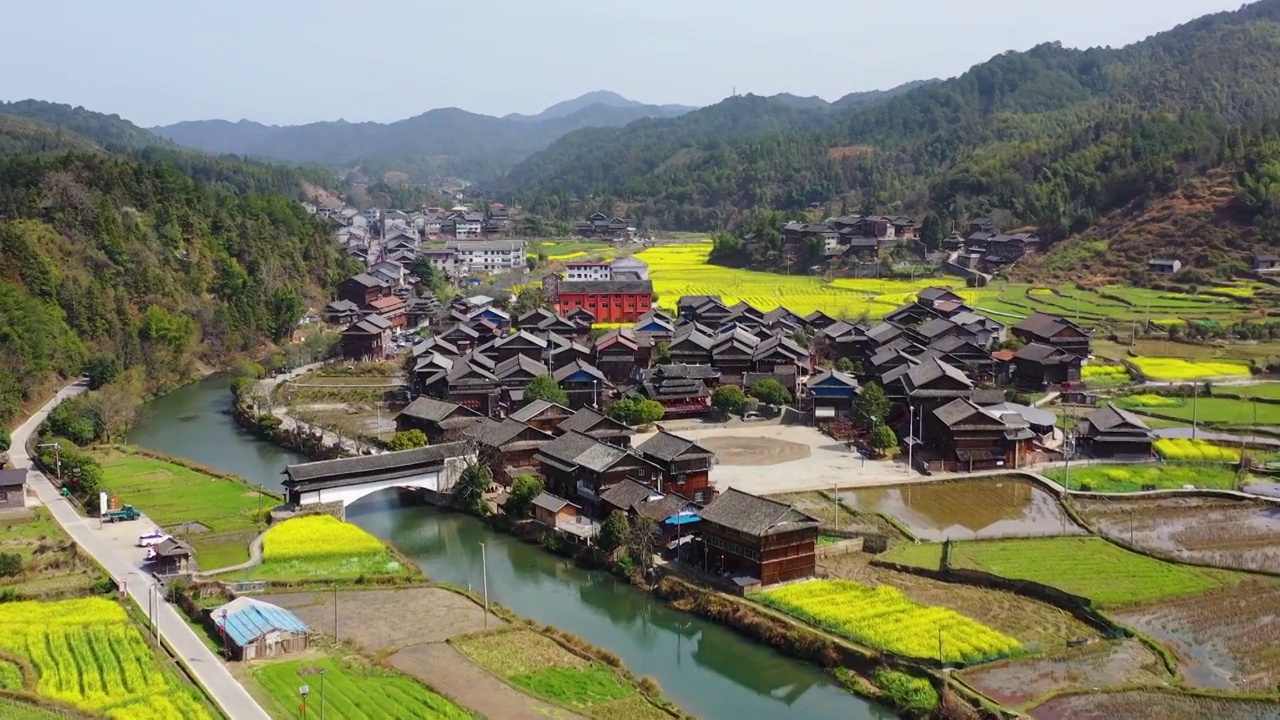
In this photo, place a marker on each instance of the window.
(680, 478)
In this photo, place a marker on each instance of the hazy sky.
(284, 61)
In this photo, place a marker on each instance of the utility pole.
(835, 505)
(335, 613)
(911, 441)
(484, 573)
(1195, 396)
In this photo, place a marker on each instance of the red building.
(609, 301)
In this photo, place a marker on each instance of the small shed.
(252, 629)
(1164, 265)
(13, 489)
(551, 510)
(172, 556)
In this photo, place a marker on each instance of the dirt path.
(457, 678)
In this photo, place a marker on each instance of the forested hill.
(109, 131)
(1054, 136)
(149, 261)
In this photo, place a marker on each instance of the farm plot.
(1170, 369)
(1207, 410)
(354, 691)
(1018, 683)
(87, 654)
(969, 509)
(883, 617)
(678, 270)
(1224, 532)
(1105, 375)
(545, 668)
(838, 517)
(14, 710)
(1089, 567)
(1133, 477)
(322, 547)
(1226, 639)
(1038, 626)
(51, 567)
(1153, 704)
(1196, 451)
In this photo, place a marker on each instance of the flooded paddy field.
(1153, 704)
(1038, 626)
(1216, 531)
(1098, 665)
(968, 509)
(838, 516)
(1226, 639)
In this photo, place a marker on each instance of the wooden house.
(1110, 432)
(686, 465)
(508, 448)
(1053, 330)
(1037, 366)
(601, 427)
(543, 415)
(440, 421)
(756, 541)
(579, 466)
(554, 511)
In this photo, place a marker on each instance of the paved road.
(113, 549)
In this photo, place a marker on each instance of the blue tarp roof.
(684, 518)
(247, 619)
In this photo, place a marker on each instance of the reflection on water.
(968, 509)
(705, 668)
(193, 422)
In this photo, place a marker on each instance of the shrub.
(771, 392)
(524, 490)
(614, 531)
(636, 411)
(407, 440)
(907, 692)
(729, 399)
(545, 387)
(6, 439)
(883, 438)
(10, 564)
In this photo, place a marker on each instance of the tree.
(931, 232)
(729, 399)
(6, 440)
(102, 369)
(636, 411)
(407, 440)
(846, 365)
(524, 489)
(10, 564)
(642, 541)
(531, 297)
(545, 387)
(662, 352)
(883, 438)
(468, 492)
(114, 409)
(770, 392)
(872, 406)
(614, 531)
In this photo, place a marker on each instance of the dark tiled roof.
(627, 494)
(668, 447)
(755, 516)
(591, 422)
(834, 375)
(1044, 325)
(368, 280)
(1039, 352)
(1112, 417)
(608, 286)
(403, 461)
(574, 448)
(552, 503)
(497, 434)
(519, 363)
(432, 410)
(13, 477)
(578, 366)
(957, 410)
(535, 408)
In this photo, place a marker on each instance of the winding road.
(116, 552)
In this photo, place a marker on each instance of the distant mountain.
(813, 102)
(109, 131)
(444, 142)
(19, 135)
(599, 97)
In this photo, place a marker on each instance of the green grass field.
(924, 555)
(14, 710)
(1215, 410)
(540, 665)
(1131, 477)
(1268, 390)
(352, 692)
(172, 494)
(1090, 567)
(50, 568)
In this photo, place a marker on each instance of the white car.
(155, 537)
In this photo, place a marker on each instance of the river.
(707, 669)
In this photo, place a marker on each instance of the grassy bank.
(51, 564)
(1133, 478)
(173, 494)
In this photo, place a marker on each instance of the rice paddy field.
(1209, 410)
(1024, 682)
(1165, 705)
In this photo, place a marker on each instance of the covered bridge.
(346, 480)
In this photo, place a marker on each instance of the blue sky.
(288, 62)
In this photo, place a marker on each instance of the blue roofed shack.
(253, 629)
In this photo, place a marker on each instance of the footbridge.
(346, 480)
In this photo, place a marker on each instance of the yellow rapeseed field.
(883, 617)
(317, 536)
(1173, 369)
(88, 655)
(678, 270)
(1188, 450)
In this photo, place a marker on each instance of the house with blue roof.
(252, 629)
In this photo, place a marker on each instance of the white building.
(442, 259)
(467, 225)
(579, 271)
(488, 256)
(630, 265)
